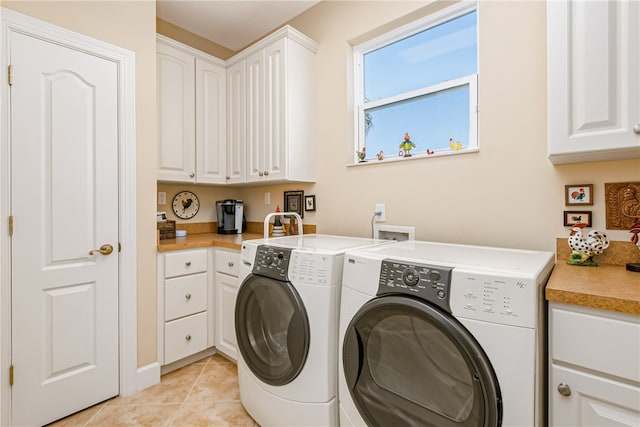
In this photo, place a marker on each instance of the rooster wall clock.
(186, 204)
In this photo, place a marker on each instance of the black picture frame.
(294, 202)
(310, 203)
(572, 218)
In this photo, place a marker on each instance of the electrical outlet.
(162, 198)
(380, 208)
(267, 198)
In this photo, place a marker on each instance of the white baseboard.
(147, 376)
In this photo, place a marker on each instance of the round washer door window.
(408, 363)
(272, 329)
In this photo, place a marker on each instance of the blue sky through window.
(442, 53)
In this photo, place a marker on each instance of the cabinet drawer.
(185, 295)
(596, 339)
(184, 337)
(227, 262)
(181, 263)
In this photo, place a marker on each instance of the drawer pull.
(188, 338)
(564, 389)
(188, 263)
(230, 264)
(188, 296)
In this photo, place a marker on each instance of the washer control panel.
(272, 261)
(429, 282)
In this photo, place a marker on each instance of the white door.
(64, 197)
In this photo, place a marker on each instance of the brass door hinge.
(11, 375)
(10, 74)
(11, 225)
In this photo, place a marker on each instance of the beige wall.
(509, 194)
(131, 25)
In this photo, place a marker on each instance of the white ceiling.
(233, 24)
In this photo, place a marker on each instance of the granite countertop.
(203, 240)
(609, 286)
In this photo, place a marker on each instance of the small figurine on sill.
(406, 145)
(362, 155)
(380, 155)
(457, 145)
(583, 250)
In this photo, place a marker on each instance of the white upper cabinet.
(236, 123)
(593, 80)
(191, 115)
(280, 107)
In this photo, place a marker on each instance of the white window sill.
(416, 156)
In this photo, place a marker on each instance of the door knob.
(104, 250)
(636, 129)
(564, 389)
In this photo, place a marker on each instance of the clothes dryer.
(437, 335)
(286, 319)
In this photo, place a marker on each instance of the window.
(418, 85)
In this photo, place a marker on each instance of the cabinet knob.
(636, 129)
(266, 173)
(564, 389)
(230, 263)
(191, 175)
(188, 296)
(260, 173)
(188, 338)
(188, 263)
(227, 178)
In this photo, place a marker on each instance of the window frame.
(390, 37)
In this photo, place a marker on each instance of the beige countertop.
(203, 234)
(609, 286)
(202, 240)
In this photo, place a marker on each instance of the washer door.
(272, 329)
(408, 363)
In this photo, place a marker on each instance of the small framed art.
(572, 218)
(578, 195)
(293, 202)
(310, 203)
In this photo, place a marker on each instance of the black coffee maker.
(231, 216)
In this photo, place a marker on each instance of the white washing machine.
(440, 335)
(286, 318)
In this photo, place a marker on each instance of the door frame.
(127, 259)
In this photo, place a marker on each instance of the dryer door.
(408, 363)
(272, 329)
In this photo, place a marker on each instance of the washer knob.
(435, 276)
(410, 277)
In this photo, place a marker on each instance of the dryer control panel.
(273, 262)
(429, 282)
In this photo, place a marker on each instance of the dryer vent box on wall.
(394, 232)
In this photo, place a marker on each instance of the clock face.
(186, 204)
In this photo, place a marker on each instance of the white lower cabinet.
(594, 373)
(227, 283)
(185, 304)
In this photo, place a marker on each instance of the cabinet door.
(275, 122)
(593, 84)
(236, 124)
(591, 400)
(255, 115)
(211, 153)
(176, 114)
(227, 289)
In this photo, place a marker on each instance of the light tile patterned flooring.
(204, 393)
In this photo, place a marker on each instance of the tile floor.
(204, 393)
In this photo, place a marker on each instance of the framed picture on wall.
(572, 218)
(310, 203)
(581, 194)
(294, 202)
